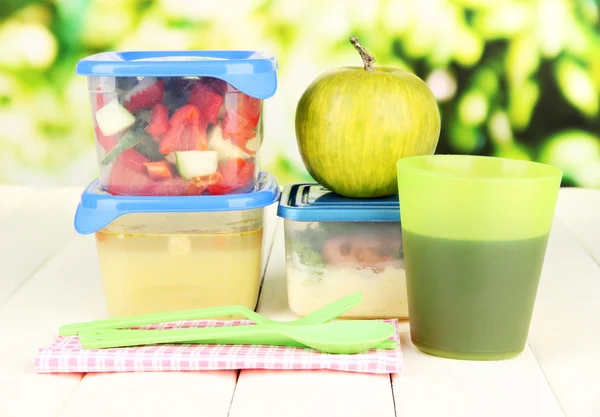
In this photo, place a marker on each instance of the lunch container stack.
(336, 246)
(178, 207)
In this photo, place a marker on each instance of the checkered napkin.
(67, 355)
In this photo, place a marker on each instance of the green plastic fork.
(335, 337)
(323, 315)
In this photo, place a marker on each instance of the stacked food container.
(178, 207)
(336, 246)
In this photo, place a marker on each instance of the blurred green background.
(519, 79)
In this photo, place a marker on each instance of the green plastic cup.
(474, 231)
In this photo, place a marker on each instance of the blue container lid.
(314, 203)
(251, 72)
(97, 208)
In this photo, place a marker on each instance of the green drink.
(472, 296)
(474, 232)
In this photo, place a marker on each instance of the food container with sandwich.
(159, 254)
(336, 246)
(170, 123)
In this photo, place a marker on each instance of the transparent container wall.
(175, 135)
(158, 262)
(329, 260)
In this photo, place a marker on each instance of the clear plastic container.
(178, 123)
(159, 256)
(336, 246)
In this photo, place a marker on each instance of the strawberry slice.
(237, 128)
(186, 131)
(237, 175)
(144, 95)
(130, 157)
(124, 180)
(200, 184)
(159, 170)
(168, 187)
(159, 120)
(134, 160)
(249, 107)
(208, 102)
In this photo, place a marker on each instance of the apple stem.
(367, 58)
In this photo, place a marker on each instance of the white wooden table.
(49, 276)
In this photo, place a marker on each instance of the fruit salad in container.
(160, 254)
(178, 123)
(336, 246)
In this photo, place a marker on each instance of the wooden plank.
(432, 386)
(565, 330)
(66, 289)
(579, 210)
(193, 393)
(11, 196)
(304, 393)
(31, 234)
(152, 394)
(311, 393)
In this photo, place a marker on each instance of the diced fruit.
(144, 95)
(252, 145)
(244, 105)
(237, 128)
(159, 121)
(159, 170)
(222, 111)
(145, 115)
(208, 102)
(180, 86)
(149, 148)
(129, 158)
(237, 174)
(196, 163)
(103, 95)
(133, 136)
(125, 181)
(200, 184)
(249, 107)
(133, 160)
(114, 118)
(107, 142)
(173, 101)
(125, 83)
(185, 133)
(171, 158)
(217, 85)
(225, 148)
(168, 187)
(99, 99)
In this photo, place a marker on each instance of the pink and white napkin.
(66, 355)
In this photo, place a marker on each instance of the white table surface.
(49, 276)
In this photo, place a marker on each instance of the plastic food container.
(336, 246)
(176, 253)
(178, 122)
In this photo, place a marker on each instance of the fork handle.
(156, 318)
(266, 335)
(102, 339)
